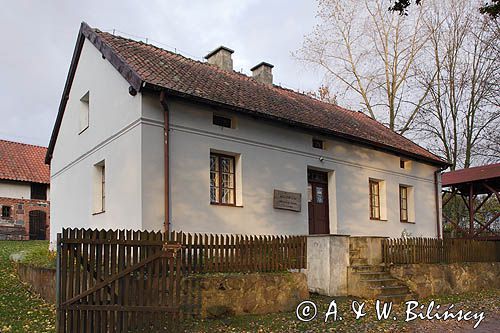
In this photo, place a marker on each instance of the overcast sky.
(38, 38)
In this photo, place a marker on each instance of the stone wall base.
(209, 295)
(426, 280)
(220, 295)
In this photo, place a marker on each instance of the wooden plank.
(127, 280)
(205, 254)
(189, 249)
(120, 318)
(78, 279)
(64, 281)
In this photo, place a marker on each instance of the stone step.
(396, 298)
(391, 290)
(367, 268)
(375, 275)
(383, 282)
(358, 261)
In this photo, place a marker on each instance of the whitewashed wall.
(17, 190)
(277, 157)
(114, 135)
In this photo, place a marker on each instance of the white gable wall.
(114, 135)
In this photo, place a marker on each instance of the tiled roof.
(146, 66)
(23, 162)
(483, 172)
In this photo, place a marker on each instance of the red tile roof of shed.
(146, 66)
(461, 176)
(23, 162)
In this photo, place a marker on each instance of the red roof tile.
(23, 162)
(144, 65)
(484, 172)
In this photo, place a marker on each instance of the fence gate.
(117, 281)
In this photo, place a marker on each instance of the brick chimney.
(263, 73)
(221, 57)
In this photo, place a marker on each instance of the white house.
(143, 133)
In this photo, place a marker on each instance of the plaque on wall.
(287, 200)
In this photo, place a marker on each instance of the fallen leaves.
(20, 309)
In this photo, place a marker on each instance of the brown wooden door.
(318, 203)
(37, 224)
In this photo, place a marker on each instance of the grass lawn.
(20, 309)
(23, 311)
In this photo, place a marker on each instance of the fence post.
(58, 283)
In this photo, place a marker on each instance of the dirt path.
(490, 324)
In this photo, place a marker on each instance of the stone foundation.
(221, 295)
(426, 280)
(211, 295)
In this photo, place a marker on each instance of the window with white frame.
(406, 204)
(99, 187)
(377, 198)
(84, 111)
(222, 179)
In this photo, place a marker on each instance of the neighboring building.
(142, 131)
(24, 191)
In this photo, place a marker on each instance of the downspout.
(437, 196)
(166, 177)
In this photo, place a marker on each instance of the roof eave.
(435, 162)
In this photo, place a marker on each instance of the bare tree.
(491, 7)
(323, 94)
(462, 115)
(370, 54)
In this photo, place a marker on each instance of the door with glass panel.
(318, 202)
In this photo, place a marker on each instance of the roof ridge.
(23, 143)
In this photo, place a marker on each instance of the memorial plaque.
(287, 200)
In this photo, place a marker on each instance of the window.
(403, 203)
(103, 188)
(84, 112)
(99, 188)
(404, 164)
(6, 212)
(222, 179)
(222, 121)
(318, 143)
(38, 191)
(406, 203)
(374, 200)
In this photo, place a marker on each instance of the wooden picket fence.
(433, 250)
(206, 253)
(124, 280)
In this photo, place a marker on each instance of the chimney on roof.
(221, 57)
(263, 73)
